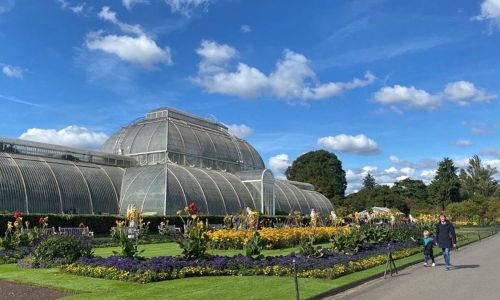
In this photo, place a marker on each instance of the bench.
(76, 231)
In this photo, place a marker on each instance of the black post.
(296, 279)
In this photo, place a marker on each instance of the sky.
(390, 87)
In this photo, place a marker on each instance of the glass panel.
(43, 195)
(243, 193)
(192, 189)
(128, 139)
(230, 197)
(74, 191)
(159, 138)
(155, 198)
(175, 196)
(104, 199)
(12, 195)
(212, 194)
(143, 137)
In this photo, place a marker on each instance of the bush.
(58, 250)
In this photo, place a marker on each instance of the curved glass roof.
(44, 185)
(167, 188)
(189, 140)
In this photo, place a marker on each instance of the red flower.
(41, 221)
(192, 209)
(17, 214)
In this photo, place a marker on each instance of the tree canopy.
(322, 169)
(445, 187)
(477, 180)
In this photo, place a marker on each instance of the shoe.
(433, 264)
(425, 265)
(447, 268)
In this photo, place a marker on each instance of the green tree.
(445, 186)
(411, 192)
(322, 169)
(477, 180)
(369, 182)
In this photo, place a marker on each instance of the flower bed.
(274, 238)
(329, 266)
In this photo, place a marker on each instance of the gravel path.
(475, 275)
(16, 291)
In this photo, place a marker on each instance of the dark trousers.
(428, 257)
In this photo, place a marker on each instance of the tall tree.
(478, 180)
(445, 187)
(322, 169)
(415, 190)
(369, 182)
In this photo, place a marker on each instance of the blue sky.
(391, 87)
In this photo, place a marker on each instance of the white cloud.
(359, 144)
(139, 50)
(292, 78)
(246, 28)
(71, 136)
(185, 7)
(391, 170)
(11, 71)
(278, 164)
(491, 151)
(129, 4)
(490, 12)
(110, 16)
(407, 96)
(476, 128)
(76, 8)
(459, 92)
(427, 175)
(463, 143)
(240, 130)
(464, 93)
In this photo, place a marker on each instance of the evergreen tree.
(369, 182)
(445, 187)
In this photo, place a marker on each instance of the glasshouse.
(158, 163)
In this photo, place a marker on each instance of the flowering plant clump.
(273, 238)
(330, 265)
(127, 233)
(194, 240)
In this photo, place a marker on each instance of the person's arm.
(453, 236)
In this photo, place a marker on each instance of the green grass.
(223, 287)
(173, 249)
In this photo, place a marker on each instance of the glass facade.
(159, 163)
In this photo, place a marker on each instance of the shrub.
(58, 250)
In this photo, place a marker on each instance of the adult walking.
(446, 238)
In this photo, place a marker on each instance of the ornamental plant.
(127, 233)
(194, 241)
(254, 246)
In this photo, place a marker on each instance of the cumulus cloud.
(463, 143)
(71, 136)
(240, 130)
(139, 49)
(246, 28)
(359, 144)
(464, 93)
(407, 96)
(129, 4)
(490, 12)
(185, 7)
(387, 176)
(476, 128)
(11, 71)
(278, 164)
(460, 92)
(291, 79)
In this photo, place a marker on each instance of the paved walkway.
(475, 275)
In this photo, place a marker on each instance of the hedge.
(101, 224)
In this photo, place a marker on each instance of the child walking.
(428, 242)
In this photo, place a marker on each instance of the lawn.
(223, 287)
(173, 249)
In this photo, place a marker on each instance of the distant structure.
(158, 163)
